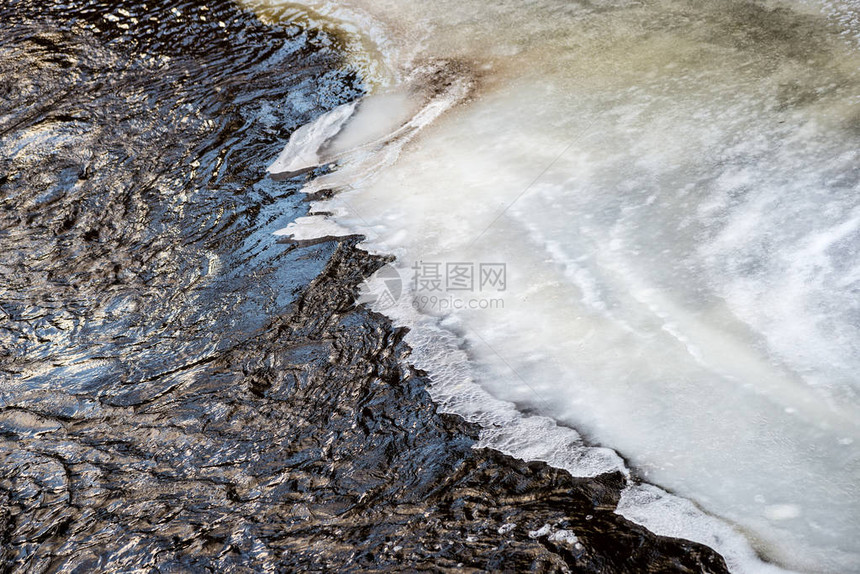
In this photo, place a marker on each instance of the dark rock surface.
(181, 392)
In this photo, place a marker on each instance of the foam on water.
(673, 187)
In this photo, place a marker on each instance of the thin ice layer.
(673, 188)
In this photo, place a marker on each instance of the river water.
(672, 190)
(181, 389)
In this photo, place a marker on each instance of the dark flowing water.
(179, 391)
